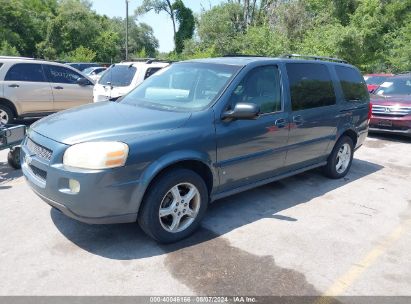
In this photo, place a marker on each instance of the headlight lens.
(96, 155)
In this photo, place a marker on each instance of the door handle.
(14, 85)
(58, 88)
(280, 123)
(298, 120)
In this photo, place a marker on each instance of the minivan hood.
(404, 100)
(106, 121)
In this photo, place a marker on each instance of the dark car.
(391, 106)
(195, 132)
(81, 66)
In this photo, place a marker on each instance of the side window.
(310, 85)
(260, 86)
(151, 71)
(60, 74)
(352, 84)
(31, 72)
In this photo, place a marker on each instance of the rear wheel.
(340, 159)
(174, 206)
(6, 115)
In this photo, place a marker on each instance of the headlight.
(96, 155)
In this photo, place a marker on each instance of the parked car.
(374, 80)
(94, 72)
(391, 106)
(81, 66)
(34, 88)
(196, 132)
(121, 78)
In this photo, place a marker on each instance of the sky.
(161, 23)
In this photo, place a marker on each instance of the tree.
(158, 6)
(186, 24)
(7, 50)
(81, 54)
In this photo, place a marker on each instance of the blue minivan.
(195, 132)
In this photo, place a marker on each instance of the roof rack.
(314, 57)
(242, 55)
(147, 60)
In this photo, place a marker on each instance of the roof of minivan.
(243, 61)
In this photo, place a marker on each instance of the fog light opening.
(74, 186)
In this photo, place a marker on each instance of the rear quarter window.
(310, 86)
(352, 84)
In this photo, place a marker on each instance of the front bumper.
(105, 196)
(390, 124)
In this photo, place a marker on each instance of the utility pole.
(127, 30)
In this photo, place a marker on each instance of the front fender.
(166, 161)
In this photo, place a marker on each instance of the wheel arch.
(351, 134)
(11, 105)
(197, 162)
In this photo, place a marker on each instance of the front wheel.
(6, 115)
(174, 206)
(340, 159)
(13, 158)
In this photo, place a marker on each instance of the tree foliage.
(373, 34)
(68, 30)
(182, 18)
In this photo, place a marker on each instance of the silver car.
(34, 88)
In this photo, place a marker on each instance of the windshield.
(376, 80)
(88, 71)
(395, 86)
(118, 75)
(182, 86)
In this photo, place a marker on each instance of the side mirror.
(83, 81)
(243, 110)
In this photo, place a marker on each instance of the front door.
(66, 92)
(26, 85)
(252, 150)
(314, 117)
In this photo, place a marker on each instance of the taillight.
(369, 110)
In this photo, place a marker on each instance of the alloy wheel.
(179, 207)
(343, 158)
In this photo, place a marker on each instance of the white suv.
(34, 88)
(123, 77)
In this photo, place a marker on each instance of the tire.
(6, 115)
(162, 194)
(13, 158)
(334, 169)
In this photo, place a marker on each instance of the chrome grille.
(39, 150)
(390, 110)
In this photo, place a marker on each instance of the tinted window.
(151, 71)
(25, 72)
(395, 86)
(118, 75)
(310, 86)
(60, 74)
(260, 86)
(352, 84)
